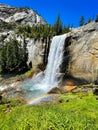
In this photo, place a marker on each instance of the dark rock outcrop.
(96, 91)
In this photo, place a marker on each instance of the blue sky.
(69, 10)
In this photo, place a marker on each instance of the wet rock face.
(12, 90)
(83, 53)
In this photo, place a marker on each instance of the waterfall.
(42, 84)
(54, 60)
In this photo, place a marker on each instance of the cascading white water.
(42, 84)
(54, 60)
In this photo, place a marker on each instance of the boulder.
(56, 91)
(69, 88)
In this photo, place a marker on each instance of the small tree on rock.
(89, 20)
(96, 20)
(81, 22)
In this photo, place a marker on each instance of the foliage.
(7, 26)
(13, 56)
(35, 31)
(30, 72)
(81, 22)
(75, 112)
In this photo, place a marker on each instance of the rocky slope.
(9, 14)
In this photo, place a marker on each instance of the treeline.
(44, 31)
(83, 22)
(13, 56)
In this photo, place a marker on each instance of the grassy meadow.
(68, 112)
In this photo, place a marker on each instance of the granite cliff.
(9, 14)
(81, 53)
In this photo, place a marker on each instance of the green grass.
(70, 112)
(26, 74)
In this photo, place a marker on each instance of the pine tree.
(81, 22)
(2, 59)
(89, 20)
(13, 56)
(58, 25)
